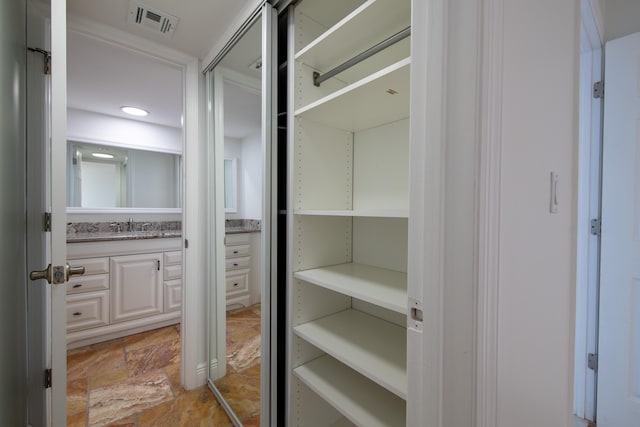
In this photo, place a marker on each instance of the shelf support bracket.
(319, 78)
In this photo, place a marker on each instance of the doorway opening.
(124, 316)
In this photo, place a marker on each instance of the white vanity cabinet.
(129, 286)
(136, 286)
(237, 269)
(349, 200)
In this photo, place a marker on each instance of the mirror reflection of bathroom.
(240, 70)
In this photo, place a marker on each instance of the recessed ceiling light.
(134, 111)
(102, 155)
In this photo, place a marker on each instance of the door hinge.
(592, 361)
(598, 90)
(47, 221)
(47, 378)
(596, 227)
(46, 55)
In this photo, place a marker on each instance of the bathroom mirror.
(103, 176)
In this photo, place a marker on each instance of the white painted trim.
(58, 203)
(193, 308)
(201, 371)
(488, 226)
(595, 7)
(588, 194)
(269, 327)
(426, 219)
(194, 350)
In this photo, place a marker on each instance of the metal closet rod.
(319, 78)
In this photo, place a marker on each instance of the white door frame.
(588, 245)
(193, 351)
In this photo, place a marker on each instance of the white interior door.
(58, 192)
(619, 337)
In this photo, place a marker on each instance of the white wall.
(251, 171)
(13, 368)
(248, 151)
(86, 126)
(538, 129)
(621, 18)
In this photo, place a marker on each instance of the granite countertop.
(115, 236)
(124, 230)
(236, 226)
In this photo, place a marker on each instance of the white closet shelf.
(375, 348)
(373, 213)
(378, 286)
(382, 97)
(342, 422)
(359, 399)
(369, 24)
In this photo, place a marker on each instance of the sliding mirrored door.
(239, 87)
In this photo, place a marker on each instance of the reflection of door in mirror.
(235, 344)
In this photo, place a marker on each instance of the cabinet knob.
(235, 264)
(235, 284)
(235, 252)
(77, 313)
(79, 285)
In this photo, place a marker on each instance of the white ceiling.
(102, 77)
(201, 23)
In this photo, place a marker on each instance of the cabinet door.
(136, 286)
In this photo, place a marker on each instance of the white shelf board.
(366, 103)
(369, 24)
(342, 422)
(373, 213)
(378, 286)
(359, 399)
(375, 348)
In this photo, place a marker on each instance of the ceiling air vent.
(152, 19)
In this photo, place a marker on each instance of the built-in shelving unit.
(379, 213)
(374, 20)
(349, 207)
(360, 400)
(373, 347)
(379, 286)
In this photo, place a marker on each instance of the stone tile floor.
(240, 387)
(135, 382)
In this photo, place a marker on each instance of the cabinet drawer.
(91, 265)
(87, 310)
(173, 258)
(96, 282)
(237, 251)
(236, 239)
(237, 263)
(237, 283)
(172, 295)
(172, 272)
